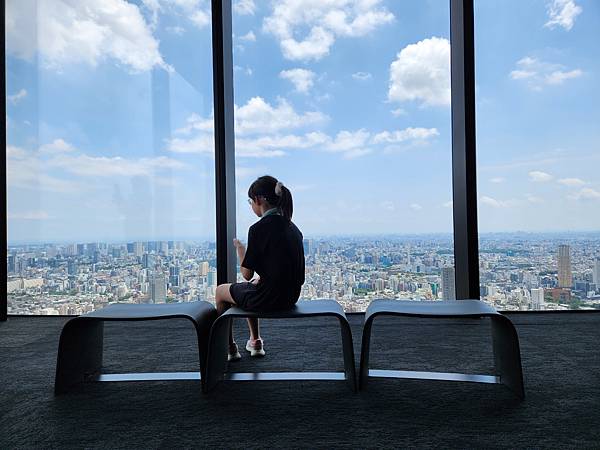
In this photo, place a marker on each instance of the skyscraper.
(138, 249)
(212, 277)
(174, 276)
(309, 246)
(596, 272)
(158, 288)
(565, 277)
(448, 288)
(204, 266)
(537, 299)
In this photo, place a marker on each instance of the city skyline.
(515, 274)
(118, 144)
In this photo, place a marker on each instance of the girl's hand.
(240, 249)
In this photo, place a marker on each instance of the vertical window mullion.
(224, 139)
(464, 180)
(3, 297)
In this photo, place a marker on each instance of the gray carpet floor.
(561, 363)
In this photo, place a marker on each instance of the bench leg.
(79, 353)
(348, 348)
(364, 354)
(507, 355)
(203, 327)
(216, 362)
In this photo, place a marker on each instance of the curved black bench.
(507, 355)
(216, 366)
(81, 342)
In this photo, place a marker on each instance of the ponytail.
(285, 203)
(274, 192)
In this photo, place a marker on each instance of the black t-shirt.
(275, 252)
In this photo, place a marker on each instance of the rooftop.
(561, 366)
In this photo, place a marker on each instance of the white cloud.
(302, 79)
(398, 112)
(204, 143)
(248, 37)
(349, 140)
(29, 215)
(81, 32)
(533, 199)
(558, 77)
(262, 132)
(586, 194)
(103, 166)
(37, 170)
(25, 170)
(244, 7)
(497, 180)
(421, 72)
(13, 152)
(306, 29)
(258, 116)
(362, 76)
(448, 204)
(408, 134)
(198, 123)
(387, 205)
(16, 98)
(57, 146)
(537, 73)
(246, 70)
(562, 13)
(196, 11)
(571, 182)
(200, 18)
(539, 177)
(177, 30)
(494, 203)
(416, 207)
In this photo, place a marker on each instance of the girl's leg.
(224, 301)
(253, 326)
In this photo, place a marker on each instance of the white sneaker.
(233, 354)
(256, 348)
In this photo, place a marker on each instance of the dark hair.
(265, 187)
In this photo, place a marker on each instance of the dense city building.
(517, 272)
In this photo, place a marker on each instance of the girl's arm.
(241, 253)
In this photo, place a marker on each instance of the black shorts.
(242, 293)
(248, 296)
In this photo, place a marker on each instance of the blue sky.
(346, 102)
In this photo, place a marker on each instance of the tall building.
(448, 286)
(596, 272)
(174, 276)
(138, 249)
(309, 247)
(565, 276)
(148, 261)
(163, 247)
(204, 266)
(212, 278)
(158, 288)
(537, 299)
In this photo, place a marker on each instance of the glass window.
(108, 198)
(348, 104)
(537, 142)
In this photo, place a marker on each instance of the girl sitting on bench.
(275, 254)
